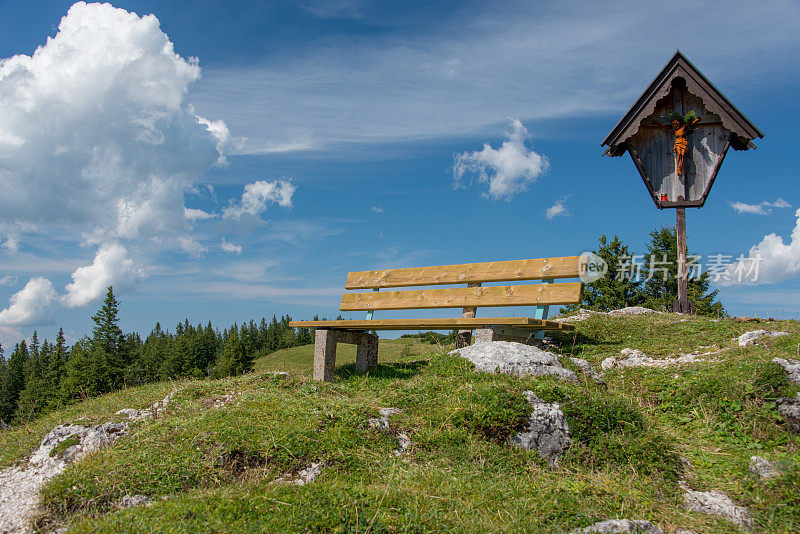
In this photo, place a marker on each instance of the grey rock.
(303, 477)
(792, 368)
(716, 503)
(762, 468)
(547, 431)
(620, 526)
(382, 422)
(582, 315)
(130, 413)
(789, 408)
(154, 410)
(508, 357)
(636, 358)
(134, 500)
(403, 443)
(20, 485)
(588, 370)
(633, 310)
(277, 375)
(749, 338)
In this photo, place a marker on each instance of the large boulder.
(547, 431)
(513, 358)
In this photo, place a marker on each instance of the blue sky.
(331, 134)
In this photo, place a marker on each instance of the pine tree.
(14, 382)
(620, 287)
(107, 349)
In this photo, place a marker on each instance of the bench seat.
(446, 323)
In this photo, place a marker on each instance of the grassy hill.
(215, 460)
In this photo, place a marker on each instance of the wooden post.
(464, 337)
(682, 305)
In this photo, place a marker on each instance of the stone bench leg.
(325, 351)
(506, 333)
(367, 353)
(324, 354)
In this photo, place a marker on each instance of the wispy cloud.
(559, 209)
(464, 72)
(231, 248)
(764, 208)
(755, 209)
(192, 214)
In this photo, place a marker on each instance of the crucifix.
(677, 134)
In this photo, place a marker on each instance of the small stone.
(792, 368)
(620, 526)
(762, 468)
(789, 408)
(716, 503)
(134, 500)
(588, 370)
(632, 310)
(749, 338)
(508, 357)
(547, 431)
(304, 476)
(130, 413)
(403, 443)
(277, 375)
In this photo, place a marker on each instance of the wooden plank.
(495, 271)
(446, 323)
(465, 297)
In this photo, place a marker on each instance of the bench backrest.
(473, 274)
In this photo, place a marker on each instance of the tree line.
(652, 284)
(40, 376)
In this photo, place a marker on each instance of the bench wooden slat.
(494, 271)
(465, 297)
(434, 324)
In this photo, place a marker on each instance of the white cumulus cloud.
(231, 248)
(258, 194)
(774, 260)
(111, 266)
(98, 143)
(31, 305)
(508, 170)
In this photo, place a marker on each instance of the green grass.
(299, 360)
(215, 468)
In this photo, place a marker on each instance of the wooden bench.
(475, 295)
